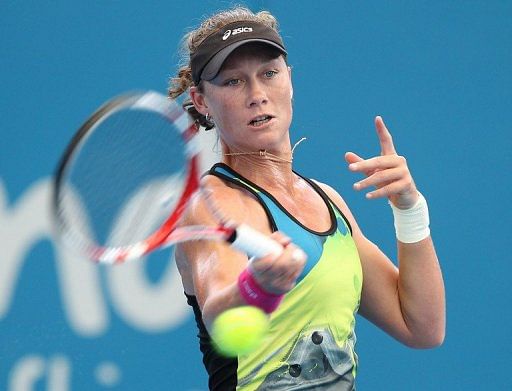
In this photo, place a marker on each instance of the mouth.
(260, 120)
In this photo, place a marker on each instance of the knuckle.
(382, 192)
(379, 175)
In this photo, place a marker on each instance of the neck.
(267, 169)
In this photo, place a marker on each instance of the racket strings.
(125, 179)
(135, 220)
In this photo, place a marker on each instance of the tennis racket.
(126, 177)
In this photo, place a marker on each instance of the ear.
(198, 99)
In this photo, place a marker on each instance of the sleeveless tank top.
(311, 341)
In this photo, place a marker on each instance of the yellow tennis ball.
(239, 330)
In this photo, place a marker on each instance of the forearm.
(220, 301)
(262, 284)
(421, 292)
(408, 302)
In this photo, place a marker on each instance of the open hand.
(388, 173)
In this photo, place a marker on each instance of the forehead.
(259, 52)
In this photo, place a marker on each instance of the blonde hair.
(191, 41)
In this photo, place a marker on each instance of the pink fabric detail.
(254, 294)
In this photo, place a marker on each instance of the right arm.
(214, 267)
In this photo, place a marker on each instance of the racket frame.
(151, 101)
(241, 237)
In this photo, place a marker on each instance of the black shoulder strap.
(226, 173)
(327, 199)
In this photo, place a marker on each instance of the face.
(250, 100)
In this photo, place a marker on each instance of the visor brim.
(212, 69)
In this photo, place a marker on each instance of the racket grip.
(254, 243)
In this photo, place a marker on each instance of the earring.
(208, 122)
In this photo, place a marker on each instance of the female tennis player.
(239, 82)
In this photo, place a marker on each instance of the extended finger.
(385, 139)
(376, 163)
(380, 178)
(388, 190)
(351, 157)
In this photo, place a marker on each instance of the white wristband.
(411, 225)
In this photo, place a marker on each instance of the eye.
(270, 74)
(232, 82)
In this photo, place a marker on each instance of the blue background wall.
(440, 73)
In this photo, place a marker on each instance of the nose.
(257, 95)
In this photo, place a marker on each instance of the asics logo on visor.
(236, 31)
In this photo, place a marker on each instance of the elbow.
(431, 343)
(438, 339)
(427, 340)
(427, 332)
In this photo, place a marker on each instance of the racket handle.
(254, 243)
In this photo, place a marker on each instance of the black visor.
(213, 51)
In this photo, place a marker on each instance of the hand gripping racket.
(126, 177)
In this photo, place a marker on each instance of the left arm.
(409, 301)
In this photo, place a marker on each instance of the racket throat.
(231, 235)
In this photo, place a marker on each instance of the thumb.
(351, 157)
(281, 238)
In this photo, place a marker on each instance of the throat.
(263, 153)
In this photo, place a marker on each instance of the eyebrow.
(263, 63)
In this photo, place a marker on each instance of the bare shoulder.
(340, 203)
(187, 254)
(215, 193)
(333, 194)
(197, 260)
